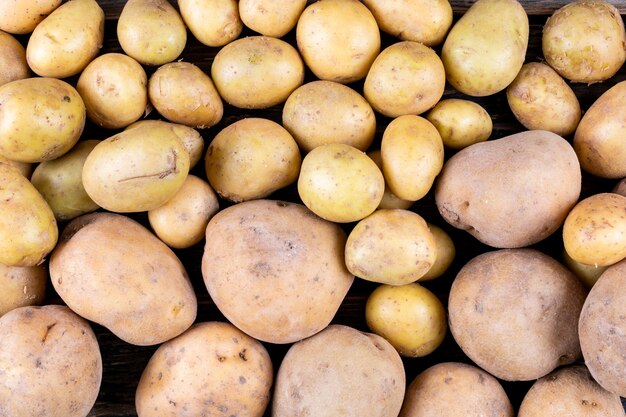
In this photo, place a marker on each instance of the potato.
(620, 187)
(41, 119)
(406, 78)
(257, 72)
(21, 286)
(24, 168)
(50, 361)
(424, 21)
(22, 16)
(391, 247)
(594, 232)
(482, 55)
(66, 41)
(455, 389)
(584, 41)
(511, 192)
(390, 200)
(182, 221)
(515, 313)
(137, 288)
(599, 139)
(540, 99)
(323, 112)
(136, 170)
(409, 317)
(274, 269)
(412, 153)
(338, 39)
(212, 22)
(151, 31)
(571, 392)
(588, 274)
(114, 89)
(340, 183)
(446, 252)
(460, 123)
(601, 328)
(271, 18)
(251, 159)
(13, 65)
(183, 93)
(28, 231)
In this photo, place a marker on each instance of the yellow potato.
(390, 200)
(588, 274)
(21, 286)
(13, 65)
(460, 123)
(22, 16)
(212, 22)
(445, 253)
(269, 17)
(25, 168)
(66, 41)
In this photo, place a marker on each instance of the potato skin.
(445, 253)
(24, 168)
(588, 274)
(620, 187)
(212, 22)
(21, 286)
(13, 65)
(390, 200)
(271, 18)
(20, 17)
(460, 123)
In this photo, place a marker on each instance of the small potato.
(251, 159)
(257, 72)
(22, 16)
(212, 22)
(409, 317)
(588, 274)
(66, 41)
(406, 78)
(620, 188)
(181, 222)
(269, 17)
(540, 99)
(460, 123)
(338, 39)
(182, 93)
(13, 65)
(340, 183)
(445, 253)
(390, 200)
(412, 153)
(21, 286)
(25, 168)
(594, 232)
(391, 247)
(151, 31)
(323, 112)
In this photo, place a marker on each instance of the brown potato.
(460, 122)
(445, 253)
(13, 65)
(22, 16)
(269, 17)
(390, 200)
(620, 187)
(21, 286)
(212, 22)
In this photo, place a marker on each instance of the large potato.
(446, 252)
(135, 286)
(269, 17)
(460, 123)
(22, 16)
(21, 286)
(13, 65)
(389, 200)
(274, 269)
(50, 363)
(510, 192)
(212, 22)
(514, 312)
(482, 55)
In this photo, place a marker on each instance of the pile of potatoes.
(379, 168)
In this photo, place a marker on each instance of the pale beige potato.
(409, 317)
(181, 222)
(460, 123)
(21, 286)
(340, 183)
(584, 41)
(514, 312)
(392, 247)
(25, 168)
(390, 200)
(22, 16)
(486, 47)
(340, 371)
(269, 17)
(136, 286)
(594, 232)
(510, 192)
(212, 22)
(13, 65)
(338, 39)
(67, 40)
(257, 72)
(455, 389)
(251, 159)
(274, 269)
(323, 112)
(620, 188)
(218, 371)
(50, 361)
(406, 78)
(588, 274)
(41, 119)
(446, 252)
(412, 153)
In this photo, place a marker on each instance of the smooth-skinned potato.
(588, 274)
(21, 286)
(20, 17)
(212, 22)
(460, 123)
(271, 18)
(390, 200)
(446, 252)
(13, 65)
(25, 168)
(620, 188)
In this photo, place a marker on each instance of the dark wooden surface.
(124, 363)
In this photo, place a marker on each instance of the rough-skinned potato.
(460, 123)
(22, 16)
(269, 17)
(21, 286)
(212, 22)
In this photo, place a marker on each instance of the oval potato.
(13, 65)
(269, 17)
(390, 200)
(460, 123)
(212, 22)
(22, 16)
(21, 286)
(446, 252)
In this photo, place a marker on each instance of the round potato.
(269, 17)
(584, 41)
(390, 200)
(406, 78)
(212, 22)
(323, 112)
(409, 317)
(22, 16)
(445, 253)
(24, 168)
(151, 31)
(340, 371)
(460, 123)
(340, 183)
(588, 274)
(620, 188)
(182, 221)
(21, 286)
(218, 371)
(515, 313)
(274, 269)
(13, 65)
(338, 39)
